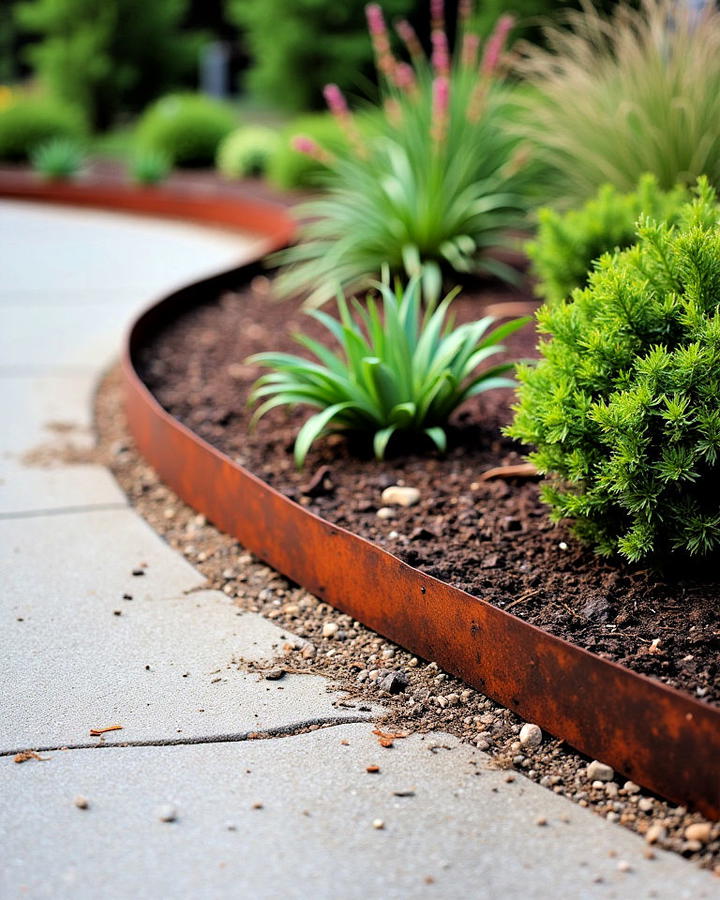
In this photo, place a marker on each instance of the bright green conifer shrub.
(623, 408)
(246, 151)
(26, 122)
(567, 243)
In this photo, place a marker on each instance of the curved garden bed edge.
(659, 737)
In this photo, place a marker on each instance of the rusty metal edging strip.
(659, 737)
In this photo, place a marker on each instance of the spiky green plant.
(439, 184)
(58, 159)
(150, 167)
(638, 92)
(399, 369)
(623, 409)
(567, 243)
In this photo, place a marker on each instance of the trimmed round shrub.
(187, 128)
(27, 122)
(288, 167)
(246, 151)
(623, 408)
(568, 243)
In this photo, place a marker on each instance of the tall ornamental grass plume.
(436, 186)
(402, 368)
(566, 244)
(617, 97)
(623, 408)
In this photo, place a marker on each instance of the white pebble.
(598, 771)
(624, 866)
(700, 831)
(385, 512)
(562, 545)
(378, 824)
(166, 812)
(400, 496)
(655, 833)
(81, 802)
(330, 629)
(530, 735)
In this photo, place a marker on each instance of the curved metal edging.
(660, 737)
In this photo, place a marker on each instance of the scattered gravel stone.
(598, 771)
(81, 802)
(655, 833)
(378, 824)
(394, 682)
(330, 629)
(275, 674)
(624, 866)
(385, 512)
(400, 496)
(308, 651)
(166, 812)
(645, 804)
(530, 735)
(631, 788)
(700, 831)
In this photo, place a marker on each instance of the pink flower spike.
(405, 77)
(441, 53)
(409, 37)
(496, 44)
(335, 100)
(437, 14)
(375, 19)
(465, 10)
(309, 147)
(440, 107)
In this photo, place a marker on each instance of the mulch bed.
(492, 539)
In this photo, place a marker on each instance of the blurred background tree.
(108, 56)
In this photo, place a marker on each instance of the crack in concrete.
(268, 734)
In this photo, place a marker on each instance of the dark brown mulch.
(492, 539)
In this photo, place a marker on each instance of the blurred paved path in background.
(70, 281)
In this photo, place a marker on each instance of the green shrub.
(297, 46)
(567, 243)
(26, 122)
(624, 406)
(436, 189)
(58, 159)
(290, 168)
(186, 127)
(246, 151)
(618, 97)
(149, 167)
(404, 371)
(108, 57)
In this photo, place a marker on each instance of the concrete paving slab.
(45, 409)
(28, 489)
(45, 338)
(85, 249)
(76, 654)
(459, 829)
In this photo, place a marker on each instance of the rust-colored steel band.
(661, 738)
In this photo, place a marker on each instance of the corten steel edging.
(659, 737)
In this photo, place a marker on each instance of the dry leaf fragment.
(385, 739)
(25, 755)
(97, 732)
(522, 470)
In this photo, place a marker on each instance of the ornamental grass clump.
(400, 369)
(439, 182)
(623, 408)
(567, 243)
(613, 98)
(58, 159)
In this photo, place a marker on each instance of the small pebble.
(400, 496)
(631, 788)
(81, 802)
(645, 804)
(231, 826)
(274, 674)
(378, 824)
(385, 512)
(530, 735)
(541, 820)
(166, 813)
(700, 831)
(624, 866)
(598, 771)
(329, 630)
(655, 833)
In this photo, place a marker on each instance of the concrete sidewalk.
(291, 815)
